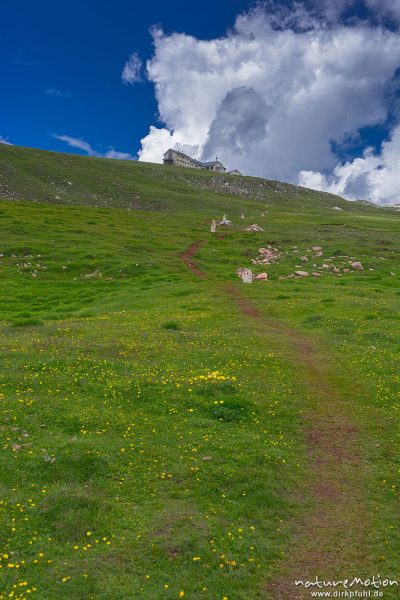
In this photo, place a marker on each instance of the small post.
(213, 228)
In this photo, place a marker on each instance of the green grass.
(152, 436)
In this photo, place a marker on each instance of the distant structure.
(180, 159)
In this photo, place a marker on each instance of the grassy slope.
(105, 374)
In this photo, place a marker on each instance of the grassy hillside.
(169, 435)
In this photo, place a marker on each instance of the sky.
(303, 91)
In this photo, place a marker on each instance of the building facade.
(180, 159)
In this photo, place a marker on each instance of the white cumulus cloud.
(131, 73)
(273, 95)
(375, 176)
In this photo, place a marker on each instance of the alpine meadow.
(169, 432)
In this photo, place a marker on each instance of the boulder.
(262, 276)
(253, 227)
(225, 221)
(357, 266)
(96, 273)
(245, 274)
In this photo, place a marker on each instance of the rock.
(253, 227)
(336, 208)
(266, 256)
(225, 221)
(301, 273)
(213, 227)
(346, 270)
(281, 277)
(335, 269)
(96, 273)
(317, 248)
(245, 274)
(357, 266)
(318, 254)
(316, 274)
(242, 216)
(262, 276)
(325, 266)
(304, 258)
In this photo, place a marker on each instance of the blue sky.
(76, 50)
(305, 91)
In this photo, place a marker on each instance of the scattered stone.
(96, 273)
(213, 227)
(301, 273)
(245, 274)
(265, 256)
(316, 274)
(318, 254)
(262, 276)
(304, 258)
(47, 457)
(357, 266)
(290, 276)
(317, 248)
(225, 221)
(346, 270)
(253, 227)
(17, 447)
(281, 278)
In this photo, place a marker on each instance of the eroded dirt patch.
(187, 257)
